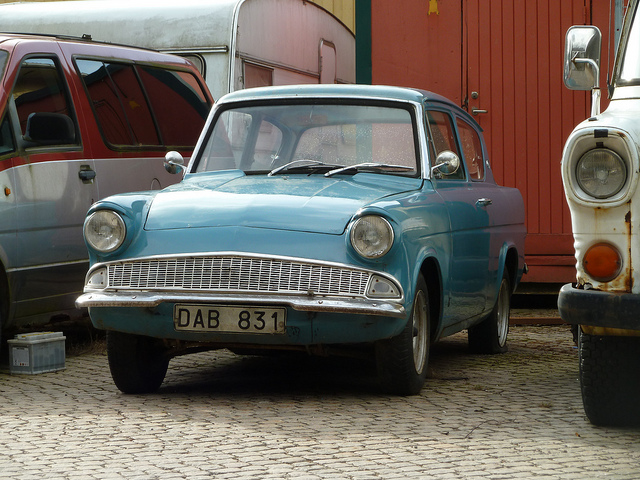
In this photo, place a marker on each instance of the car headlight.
(601, 173)
(372, 236)
(104, 231)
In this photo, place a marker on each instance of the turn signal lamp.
(602, 262)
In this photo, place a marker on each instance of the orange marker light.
(602, 262)
(7, 191)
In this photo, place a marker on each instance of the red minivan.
(79, 121)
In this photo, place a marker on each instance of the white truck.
(234, 43)
(600, 172)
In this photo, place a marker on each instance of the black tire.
(402, 360)
(609, 379)
(490, 336)
(138, 364)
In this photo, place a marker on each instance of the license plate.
(227, 318)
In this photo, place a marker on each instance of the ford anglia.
(321, 218)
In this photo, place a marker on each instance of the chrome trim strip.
(358, 306)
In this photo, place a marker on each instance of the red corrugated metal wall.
(505, 57)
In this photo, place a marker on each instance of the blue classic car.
(320, 218)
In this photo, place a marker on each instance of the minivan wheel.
(138, 364)
(490, 336)
(403, 360)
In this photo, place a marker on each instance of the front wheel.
(402, 360)
(138, 364)
(609, 378)
(490, 336)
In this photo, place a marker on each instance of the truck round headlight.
(104, 231)
(601, 173)
(372, 236)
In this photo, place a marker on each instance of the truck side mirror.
(582, 58)
(582, 62)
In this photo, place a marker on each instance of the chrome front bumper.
(358, 306)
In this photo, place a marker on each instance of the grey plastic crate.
(40, 352)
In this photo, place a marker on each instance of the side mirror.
(173, 162)
(582, 58)
(447, 163)
(46, 128)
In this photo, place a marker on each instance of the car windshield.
(630, 65)
(312, 138)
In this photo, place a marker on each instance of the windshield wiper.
(301, 163)
(367, 166)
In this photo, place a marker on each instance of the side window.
(7, 145)
(178, 102)
(42, 102)
(443, 137)
(472, 150)
(119, 104)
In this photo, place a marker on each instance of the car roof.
(351, 91)
(84, 40)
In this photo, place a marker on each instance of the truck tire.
(490, 336)
(138, 364)
(403, 360)
(610, 378)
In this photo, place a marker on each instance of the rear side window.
(178, 103)
(144, 106)
(42, 102)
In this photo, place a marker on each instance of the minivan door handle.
(86, 174)
(483, 202)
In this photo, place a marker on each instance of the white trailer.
(235, 43)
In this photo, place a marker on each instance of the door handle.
(476, 111)
(483, 202)
(86, 174)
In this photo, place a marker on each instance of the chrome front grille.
(236, 273)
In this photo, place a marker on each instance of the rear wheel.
(609, 378)
(490, 336)
(402, 360)
(138, 364)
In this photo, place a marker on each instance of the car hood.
(292, 202)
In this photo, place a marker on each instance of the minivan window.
(143, 105)
(3, 60)
(119, 104)
(178, 102)
(41, 89)
(7, 144)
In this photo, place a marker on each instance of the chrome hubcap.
(503, 313)
(420, 332)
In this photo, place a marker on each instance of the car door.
(51, 187)
(467, 204)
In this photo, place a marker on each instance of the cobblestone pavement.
(512, 416)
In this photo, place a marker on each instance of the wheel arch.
(432, 274)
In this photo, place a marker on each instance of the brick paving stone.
(218, 415)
